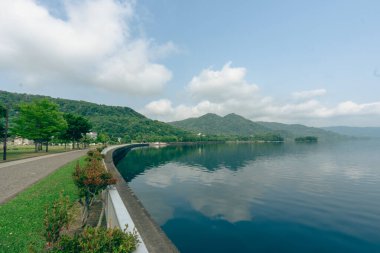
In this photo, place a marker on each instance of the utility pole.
(5, 134)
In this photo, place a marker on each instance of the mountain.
(367, 132)
(291, 131)
(236, 125)
(212, 124)
(117, 121)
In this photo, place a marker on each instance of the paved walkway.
(18, 175)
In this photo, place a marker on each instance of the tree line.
(42, 122)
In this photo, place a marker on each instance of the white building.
(21, 141)
(92, 135)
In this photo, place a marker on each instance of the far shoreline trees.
(306, 139)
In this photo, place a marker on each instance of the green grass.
(22, 152)
(22, 218)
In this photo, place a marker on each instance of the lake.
(262, 197)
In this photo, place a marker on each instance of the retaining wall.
(133, 212)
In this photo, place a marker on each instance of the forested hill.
(212, 124)
(116, 121)
(236, 125)
(126, 123)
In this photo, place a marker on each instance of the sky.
(311, 62)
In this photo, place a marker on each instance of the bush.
(100, 240)
(94, 155)
(56, 217)
(91, 180)
(100, 149)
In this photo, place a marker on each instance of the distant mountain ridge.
(366, 132)
(236, 125)
(120, 121)
(213, 124)
(291, 131)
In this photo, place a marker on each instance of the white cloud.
(218, 86)
(235, 209)
(94, 46)
(227, 91)
(160, 107)
(351, 108)
(309, 94)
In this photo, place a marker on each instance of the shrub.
(56, 217)
(91, 180)
(100, 149)
(94, 155)
(100, 240)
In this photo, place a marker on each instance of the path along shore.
(18, 175)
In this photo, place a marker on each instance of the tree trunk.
(47, 145)
(73, 145)
(65, 146)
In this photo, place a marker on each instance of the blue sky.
(309, 62)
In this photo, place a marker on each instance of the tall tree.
(39, 121)
(4, 129)
(77, 127)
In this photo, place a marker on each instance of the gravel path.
(18, 175)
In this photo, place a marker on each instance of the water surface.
(262, 197)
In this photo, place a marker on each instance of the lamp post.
(4, 113)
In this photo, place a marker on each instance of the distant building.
(92, 135)
(21, 141)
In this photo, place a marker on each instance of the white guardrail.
(117, 214)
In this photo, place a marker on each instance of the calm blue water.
(262, 197)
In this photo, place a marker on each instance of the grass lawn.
(21, 152)
(27, 151)
(22, 218)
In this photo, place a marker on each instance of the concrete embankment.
(153, 237)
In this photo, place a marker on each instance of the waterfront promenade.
(16, 176)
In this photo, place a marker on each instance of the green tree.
(39, 121)
(103, 138)
(127, 138)
(77, 127)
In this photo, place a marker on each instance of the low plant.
(99, 240)
(100, 149)
(94, 154)
(56, 218)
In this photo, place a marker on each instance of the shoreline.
(155, 240)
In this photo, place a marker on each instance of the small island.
(306, 139)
